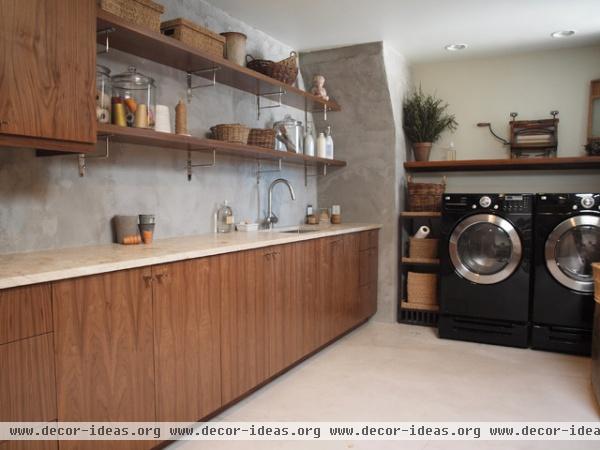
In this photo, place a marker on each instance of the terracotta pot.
(422, 150)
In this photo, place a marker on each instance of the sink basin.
(299, 231)
(296, 230)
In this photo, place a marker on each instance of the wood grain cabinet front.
(105, 352)
(25, 312)
(47, 74)
(187, 339)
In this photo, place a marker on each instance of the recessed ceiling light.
(455, 47)
(563, 33)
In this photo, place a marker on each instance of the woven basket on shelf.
(262, 137)
(231, 132)
(422, 288)
(423, 248)
(425, 196)
(285, 71)
(139, 12)
(194, 35)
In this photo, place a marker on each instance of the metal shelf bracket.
(82, 157)
(105, 32)
(316, 174)
(190, 75)
(190, 165)
(279, 94)
(259, 171)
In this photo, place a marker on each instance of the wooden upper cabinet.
(104, 351)
(186, 339)
(47, 74)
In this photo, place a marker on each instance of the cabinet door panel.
(351, 294)
(243, 337)
(25, 312)
(47, 69)
(187, 342)
(104, 351)
(307, 280)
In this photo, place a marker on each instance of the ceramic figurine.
(318, 87)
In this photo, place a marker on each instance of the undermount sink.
(299, 231)
(296, 230)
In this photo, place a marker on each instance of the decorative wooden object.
(593, 134)
(534, 138)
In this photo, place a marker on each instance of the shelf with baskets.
(143, 136)
(139, 41)
(419, 263)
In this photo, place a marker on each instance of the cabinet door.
(244, 349)
(47, 69)
(351, 294)
(307, 283)
(25, 312)
(331, 287)
(187, 339)
(104, 351)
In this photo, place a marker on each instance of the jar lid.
(288, 120)
(103, 70)
(133, 77)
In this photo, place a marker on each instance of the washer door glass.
(485, 249)
(571, 249)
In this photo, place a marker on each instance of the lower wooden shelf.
(172, 141)
(419, 306)
(416, 214)
(420, 261)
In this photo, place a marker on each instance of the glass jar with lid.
(289, 135)
(134, 97)
(103, 93)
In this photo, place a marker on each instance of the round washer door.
(571, 249)
(485, 248)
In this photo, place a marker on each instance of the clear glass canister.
(103, 93)
(133, 99)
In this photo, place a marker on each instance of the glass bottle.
(322, 146)
(328, 143)
(309, 141)
(225, 218)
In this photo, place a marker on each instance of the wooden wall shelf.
(153, 138)
(420, 261)
(419, 306)
(417, 214)
(170, 52)
(479, 165)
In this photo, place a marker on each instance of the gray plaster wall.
(45, 204)
(367, 134)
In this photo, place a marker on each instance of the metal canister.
(289, 135)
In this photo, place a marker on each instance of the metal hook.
(106, 32)
(191, 166)
(82, 157)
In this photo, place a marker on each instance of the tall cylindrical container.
(103, 93)
(235, 47)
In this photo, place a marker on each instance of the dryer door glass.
(485, 248)
(571, 249)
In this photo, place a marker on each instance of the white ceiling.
(419, 29)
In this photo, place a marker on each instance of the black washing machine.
(567, 242)
(485, 266)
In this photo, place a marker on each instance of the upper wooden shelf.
(477, 165)
(170, 52)
(153, 138)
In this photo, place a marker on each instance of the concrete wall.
(44, 204)
(365, 135)
(532, 84)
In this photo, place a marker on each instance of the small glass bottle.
(322, 146)
(309, 142)
(329, 143)
(451, 152)
(225, 218)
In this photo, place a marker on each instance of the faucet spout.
(271, 217)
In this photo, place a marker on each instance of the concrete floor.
(392, 372)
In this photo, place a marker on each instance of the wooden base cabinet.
(187, 339)
(105, 352)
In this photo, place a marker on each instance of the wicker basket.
(140, 12)
(285, 71)
(231, 132)
(262, 137)
(425, 196)
(422, 288)
(194, 35)
(423, 248)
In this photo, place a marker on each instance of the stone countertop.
(21, 269)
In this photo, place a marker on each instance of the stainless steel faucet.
(271, 217)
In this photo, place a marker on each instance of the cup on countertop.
(147, 224)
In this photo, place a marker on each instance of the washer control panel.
(567, 203)
(508, 203)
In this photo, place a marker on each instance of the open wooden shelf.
(153, 138)
(417, 214)
(170, 52)
(419, 306)
(478, 165)
(420, 261)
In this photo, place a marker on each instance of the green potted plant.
(425, 119)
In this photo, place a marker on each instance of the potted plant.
(425, 119)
